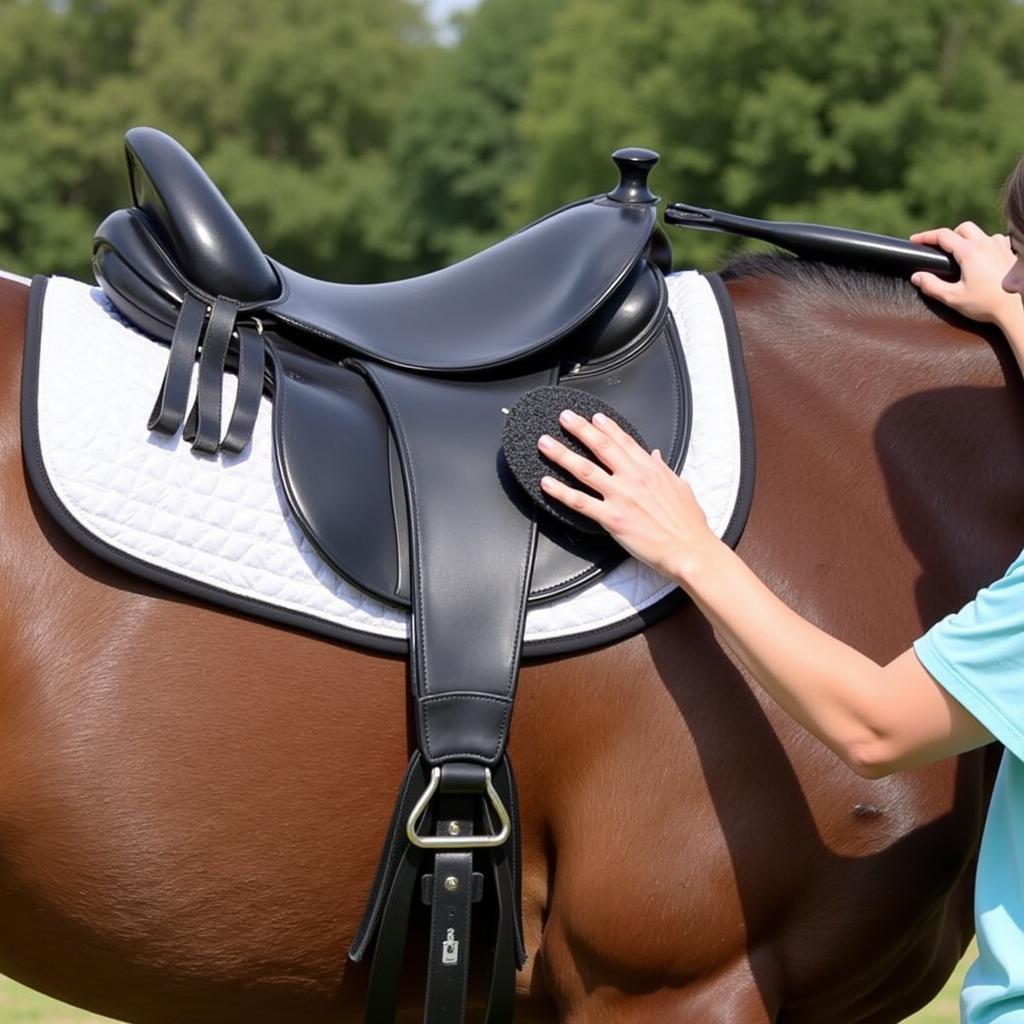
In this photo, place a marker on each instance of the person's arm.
(877, 718)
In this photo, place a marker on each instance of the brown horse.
(192, 803)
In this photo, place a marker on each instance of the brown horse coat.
(192, 803)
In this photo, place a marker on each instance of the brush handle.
(881, 253)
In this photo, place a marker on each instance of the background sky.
(442, 10)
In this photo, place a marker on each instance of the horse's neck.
(896, 420)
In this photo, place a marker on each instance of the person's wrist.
(696, 564)
(1010, 321)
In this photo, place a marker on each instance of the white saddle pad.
(224, 523)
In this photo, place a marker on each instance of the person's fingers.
(944, 238)
(604, 445)
(583, 469)
(628, 443)
(934, 287)
(968, 229)
(576, 500)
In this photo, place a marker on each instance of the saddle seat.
(510, 302)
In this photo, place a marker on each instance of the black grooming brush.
(537, 413)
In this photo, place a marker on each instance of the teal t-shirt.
(977, 655)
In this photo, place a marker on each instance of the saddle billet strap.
(202, 427)
(469, 598)
(172, 402)
(251, 366)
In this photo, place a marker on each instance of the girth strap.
(468, 610)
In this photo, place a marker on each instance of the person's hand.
(649, 510)
(984, 261)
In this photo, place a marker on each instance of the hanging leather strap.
(202, 428)
(496, 878)
(451, 903)
(172, 402)
(468, 613)
(251, 365)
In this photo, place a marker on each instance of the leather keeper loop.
(458, 777)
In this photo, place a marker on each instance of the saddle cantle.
(389, 402)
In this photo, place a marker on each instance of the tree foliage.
(290, 106)
(457, 147)
(884, 116)
(357, 146)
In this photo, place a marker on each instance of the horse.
(192, 802)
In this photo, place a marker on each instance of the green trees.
(290, 106)
(356, 146)
(872, 114)
(458, 148)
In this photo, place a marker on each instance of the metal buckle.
(474, 842)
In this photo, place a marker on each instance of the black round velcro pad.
(537, 413)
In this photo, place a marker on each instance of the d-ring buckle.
(457, 842)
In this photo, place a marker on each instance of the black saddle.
(389, 402)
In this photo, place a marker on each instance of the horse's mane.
(820, 282)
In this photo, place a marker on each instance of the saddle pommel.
(635, 165)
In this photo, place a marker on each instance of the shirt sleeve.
(977, 655)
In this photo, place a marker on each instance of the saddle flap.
(336, 454)
(333, 454)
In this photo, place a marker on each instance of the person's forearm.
(826, 685)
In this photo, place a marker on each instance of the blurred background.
(371, 139)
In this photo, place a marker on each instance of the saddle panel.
(651, 391)
(136, 275)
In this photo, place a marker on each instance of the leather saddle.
(389, 402)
